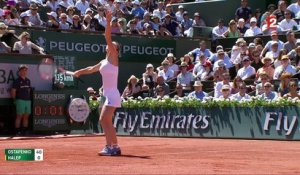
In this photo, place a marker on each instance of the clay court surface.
(149, 155)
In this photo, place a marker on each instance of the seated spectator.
(253, 30)
(268, 46)
(290, 44)
(202, 50)
(166, 72)
(66, 4)
(70, 12)
(198, 68)
(232, 31)
(267, 68)
(284, 67)
(146, 20)
(4, 48)
(244, 11)
(283, 88)
(256, 61)
(219, 85)
(189, 61)
(63, 24)
(149, 77)
(186, 23)
(82, 5)
(258, 15)
(25, 20)
(52, 4)
(133, 88)
(172, 65)
(34, 16)
(220, 70)
(148, 30)
(241, 95)
(293, 90)
(247, 71)
(171, 25)
(288, 23)
(274, 52)
(10, 18)
(268, 94)
(222, 58)
(198, 21)
(87, 24)
(294, 8)
(219, 30)
(208, 73)
(263, 78)
(241, 26)
(169, 11)
(295, 53)
(137, 9)
(25, 46)
(52, 20)
(184, 80)
(160, 92)
(115, 27)
(76, 24)
(179, 13)
(279, 12)
(277, 62)
(235, 84)
(214, 57)
(162, 31)
(163, 84)
(155, 23)
(198, 92)
(225, 90)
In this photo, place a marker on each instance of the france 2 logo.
(272, 22)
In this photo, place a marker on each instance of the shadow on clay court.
(133, 156)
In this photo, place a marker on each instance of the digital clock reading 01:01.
(52, 110)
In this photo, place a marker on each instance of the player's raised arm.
(108, 30)
(87, 70)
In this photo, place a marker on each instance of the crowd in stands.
(268, 70)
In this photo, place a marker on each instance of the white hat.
(241, 20)
(149, 65)
(88, 10)
(225, 86)
(252, 45)
(253, 19)
(90, 89)
(274, 42)
(170, 55)
(198, 83)
(53, 14)
(24, 14)
(180, 7)
(2, 25)
(136, 2)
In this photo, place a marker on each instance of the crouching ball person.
(109, 69)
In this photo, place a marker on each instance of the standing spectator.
(220, 84)
(267, 68)
(133, 88)
(82, 5)
(263, 78)
(219, 30)
(198, 92)
(290, 44)
(247, 71)
(268, 93)
(241, 26)
(201, 50)
(34, 16)
(21, 94)
(244, 11)
(253, 30)
(288, 23)
(179, 13)
(166, 72)
(285, 67)
(279, 13)
(232, 31)
(149, 77)
(241, 95)
(25, 46)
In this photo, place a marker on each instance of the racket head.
(47, 68)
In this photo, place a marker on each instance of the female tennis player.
(109, 69)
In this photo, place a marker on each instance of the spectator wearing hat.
(34, 16)
(232, 31)
(198, 68)
(184, 80)
(63, 24)
(241, 95)
(214, 56)
(288, 23)
(179, 13)
(198, 93)
(186, 23)
(247, 71)
(52, 4)
(225, 92)
(219, 30)
(171, 25)
(268, 46)
(263, 78)
(279, 12)
(266, 68)
(21, 94)
(285, 67)
(244, 12)
(166, 72)
(82, 5)
(293, 90)
(160, 10)
(189, 61)
(207, 74)
(222, 57)
(253, 30)
(172, 65)
(202, 50)
(25, 20)
(149, 77)
(294, 8)
(225, 81)
(198, 21)
(25, 46)
(268, 94)
(291, 42)
(52, 20)
(274, 52)
(241, 26)
(285, 80)
(132, 88)
(137, 9)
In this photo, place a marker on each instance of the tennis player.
(109, 69)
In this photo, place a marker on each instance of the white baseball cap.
(53, 14)
(253, 19)
(149, 65)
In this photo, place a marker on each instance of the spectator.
(63, 24)
(208, 73)
(76, 25)
(146, 20)
(251, 49)
(198, 68)
(186, 23)
(214, 57)
(155, 23)
(284, 67)
(132, 28)
(172, 65)
(199, 51)
(279, 12)
(198, 21)
(52, 4)
(66, 4)
(268, 46)
(220, 70)
(295, 8)
(149, 77)
(115, 27)
(87, 24)
(258, 16)
(268, 93)
(220, 84)
(133, 88)
(232, 31)
(25, 46)
(267, 68)
(241, 95)
(253, 30)
(247, 71)
(162, 31)
(179, 13)
(170, 11)
(288, 23)
(21, 94)
(241, 26)
(52, 20)
(219, 30)
(263, 78)
(160, 11)
(137, 10)
(274, 52)
(70, 12)
(34, 16)
(82, 5)
(160, 92)
(221, 58)
(25, 20)
(290, 44)
(277, 62)
(267, 30)
(163, 84)
(100, 18)
(166, 72)
(244, 11)
(185, 78)
(189, 61)
(235, 84)
(225, 90)
(283, 88)
(198, 92)
(257, 62)
(10, 18)
(171, 25)
(293, 90)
